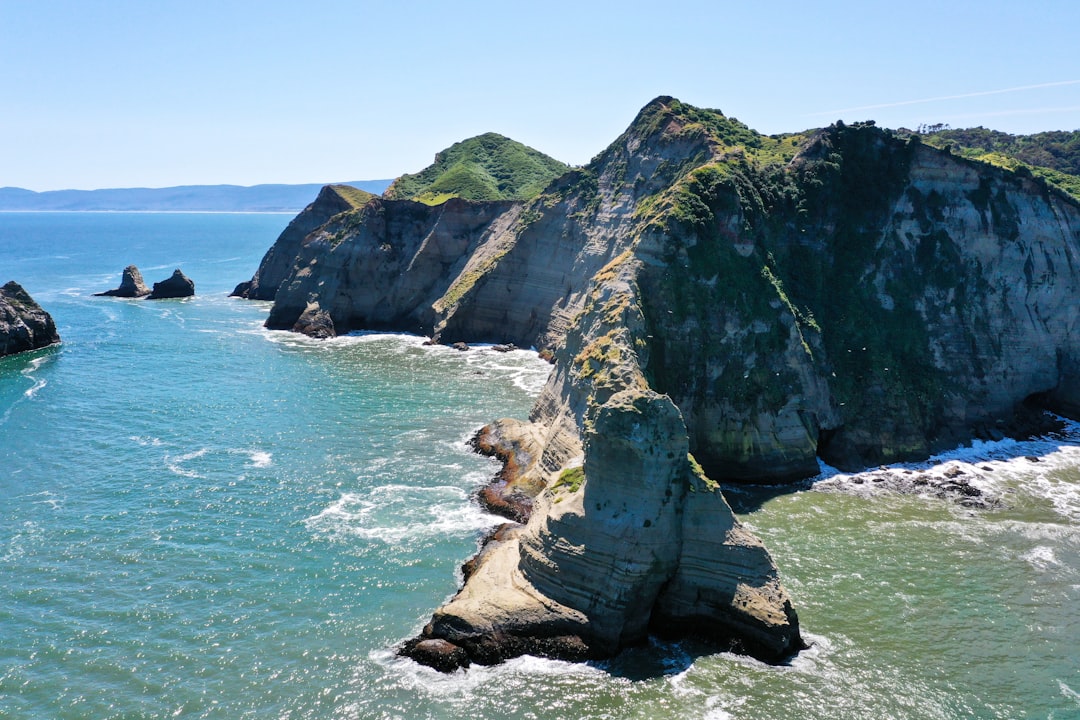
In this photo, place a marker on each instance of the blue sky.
(118, 93)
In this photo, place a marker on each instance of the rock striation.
(278, 261)
(720, 306)
(178, 285)
(131, 285)
(24, 325)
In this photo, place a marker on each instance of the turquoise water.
(203, 519)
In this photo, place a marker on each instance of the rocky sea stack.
(131, 285)
(721, 306)
(178, 285)
(24, 325)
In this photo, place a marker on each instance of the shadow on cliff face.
(658, 658)
(745, 499)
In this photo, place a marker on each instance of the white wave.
(1041, 557)
(36, 384)
(717, 714)
(146, 441)
(1068, 692)
(33, 390)
(524, 368)
(48, 498)
(396, 513)
(39, 383)
(260, 459)
(464, 684)
(174, 464)
(1040, 467)
(77, 291)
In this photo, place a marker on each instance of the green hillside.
(486, 167)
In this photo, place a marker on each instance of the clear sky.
(127, 93)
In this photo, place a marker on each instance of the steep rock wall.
(278, 260)
(709, 295)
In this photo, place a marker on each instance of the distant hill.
(190, 198)
(485, 167)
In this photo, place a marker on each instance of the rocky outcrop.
(709, 295)
(131, 285)
(178, 285)
(278, 260)
(315, 322)
(385, 265)
(24, 325)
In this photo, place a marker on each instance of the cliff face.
(710, 295)
(278, 261)
(23, 324)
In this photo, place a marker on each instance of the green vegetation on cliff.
(486, 167)
(1053, 156)
(353, 196)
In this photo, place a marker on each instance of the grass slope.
(486, 167)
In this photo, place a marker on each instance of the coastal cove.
(208, 518)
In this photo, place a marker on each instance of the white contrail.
(948, 97)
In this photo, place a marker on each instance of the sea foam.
(396, 513)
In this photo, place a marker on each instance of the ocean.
(200, 518)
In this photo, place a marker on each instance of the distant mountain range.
(191, 198)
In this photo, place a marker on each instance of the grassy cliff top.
(1053, 156)
(486, 167)
(354, 196)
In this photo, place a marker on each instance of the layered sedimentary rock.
(720, 305)
(279, 259)
(24, 325)
(131, 285)
(384, 266)
(177, 285)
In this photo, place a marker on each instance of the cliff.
(720, 306)
(23, 324)
(278, 261)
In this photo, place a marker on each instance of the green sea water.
(200, 518)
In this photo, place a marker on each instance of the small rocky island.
(24, 325)
(131, 285)
(720, 306)
(178, 285)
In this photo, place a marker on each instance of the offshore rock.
(178, 285)
(131, 285)
(710, 295)
(24, 325)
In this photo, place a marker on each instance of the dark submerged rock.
(178, 285)
(436, 653)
